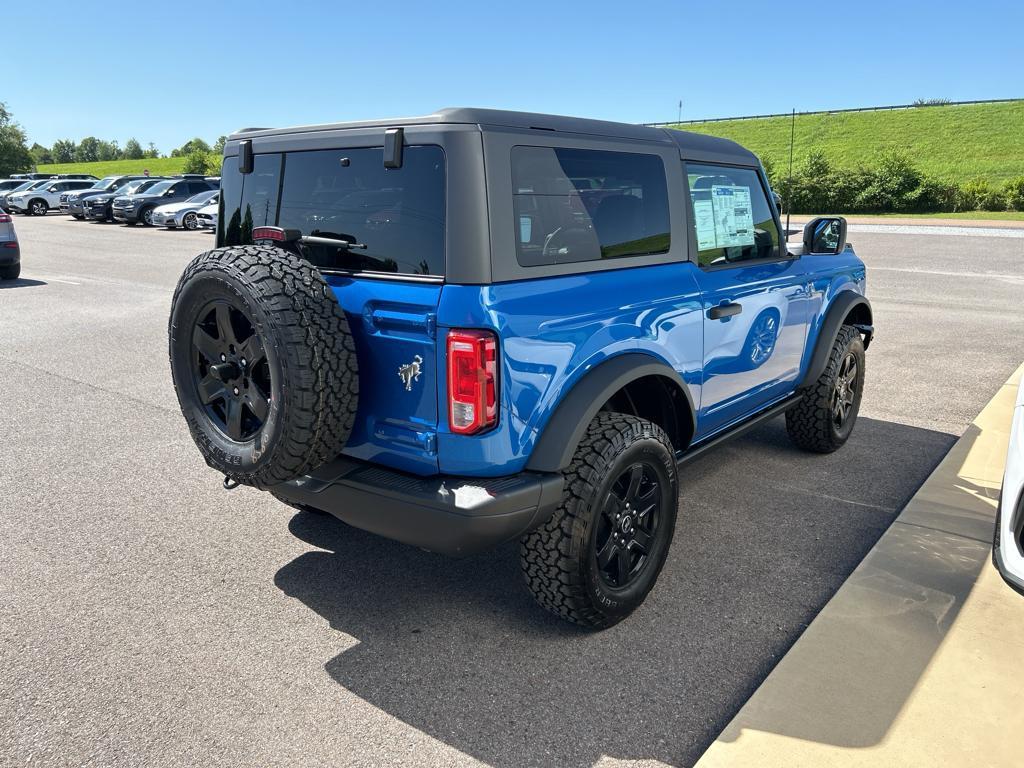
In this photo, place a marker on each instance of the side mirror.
(826, 234)
(52, 189)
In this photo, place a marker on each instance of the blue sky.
(166, 71)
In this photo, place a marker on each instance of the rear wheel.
(594, 561)
(824, 418)
(11, 272)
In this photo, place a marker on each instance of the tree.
(14, 154)
(189, 147)
(40, 154)
(64, 151)
(218, 145)
(152, 151)
(133, 150)
(88, 150)
(108, 150)
(198, 161)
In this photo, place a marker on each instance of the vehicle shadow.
(458, 649)
(21, 282)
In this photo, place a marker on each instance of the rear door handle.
(723, 311)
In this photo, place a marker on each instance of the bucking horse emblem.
(410, 372)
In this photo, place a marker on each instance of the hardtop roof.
(528, 121)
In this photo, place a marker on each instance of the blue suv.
(479, 326)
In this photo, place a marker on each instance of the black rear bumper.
(450, 515)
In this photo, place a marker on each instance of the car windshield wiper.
(335, 241)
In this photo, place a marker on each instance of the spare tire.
(263, 363)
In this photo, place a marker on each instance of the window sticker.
(704, 220)
(734, 220)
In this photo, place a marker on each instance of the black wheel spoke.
(258, 404)
(251, 351)
(642, 540)
(607, 553)
(210, 389)
(234, 418)
(622, 563)
(224, 329)
(208, 346)
(636, 475)
(612, 506)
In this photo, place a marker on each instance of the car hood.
(138, 198)
(177, 207)
(78, 194)
(209, 209)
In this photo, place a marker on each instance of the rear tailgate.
(395, 327)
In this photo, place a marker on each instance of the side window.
(732, 218)
(574, 205)
(257, 197)
(195, 187)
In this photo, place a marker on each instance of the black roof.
(529, 120)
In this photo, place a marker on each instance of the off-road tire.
(810, 422)
(309, 351)
(558, 559)
(10, 273)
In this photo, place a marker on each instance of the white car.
(37, 201)
(175, 215)
(207, 217)
(1008, 548)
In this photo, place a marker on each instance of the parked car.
(139, 207)
(38, 201)
(1008, 547)
(25, 186)
(36, 176)
(74, 202)
(207, 217)
(10, 251)
(6, 185)
(100, 207)
(183, 214)
(497, 327)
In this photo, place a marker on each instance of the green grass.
(158, 166)
(951, 143)
(968, 215)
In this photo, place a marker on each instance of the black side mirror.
(826, 234)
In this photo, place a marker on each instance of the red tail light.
(4, 218)
(472, 381)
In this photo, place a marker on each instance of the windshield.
(105, 183)
(203, 197)
(37, 184)
(156, 189)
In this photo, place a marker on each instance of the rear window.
(397, 214)
(575, 205)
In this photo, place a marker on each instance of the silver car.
(1008, 550)
(183, 214)
(10, 251)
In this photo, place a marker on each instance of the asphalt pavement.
(150, 618)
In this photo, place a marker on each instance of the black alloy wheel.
(628, 525)
(230, 370)
(844, 394)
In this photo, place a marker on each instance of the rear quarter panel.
(552, 331)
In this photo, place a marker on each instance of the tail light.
(472, 381)
(5, 218)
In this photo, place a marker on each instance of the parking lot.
(151, 618)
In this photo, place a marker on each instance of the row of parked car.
(187, 201)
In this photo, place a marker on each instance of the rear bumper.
(9, 255)
(451, 515)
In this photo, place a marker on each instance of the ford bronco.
(479, 326)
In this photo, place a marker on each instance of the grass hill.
(952, 143)
(158, 166)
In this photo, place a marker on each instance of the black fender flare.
(835, 316)
(557, 443)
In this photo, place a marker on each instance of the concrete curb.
(916, 659)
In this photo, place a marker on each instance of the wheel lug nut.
(235, 390)
(223, 357)
(243, 362)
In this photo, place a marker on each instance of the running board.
(744, 426)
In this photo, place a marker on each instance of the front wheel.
(594, 561)
(823, 419)
(38, 208)
(190, 222)
(147, 217)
